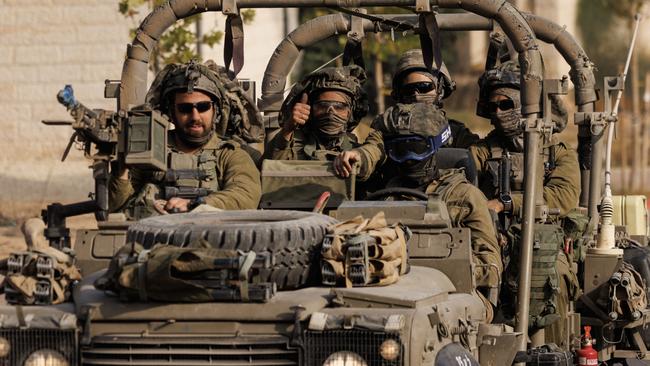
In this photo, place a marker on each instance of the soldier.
(413, 133)
(413, 82)
(318, 117)
(499, 101)
(203, 167)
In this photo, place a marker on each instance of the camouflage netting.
(238, 116)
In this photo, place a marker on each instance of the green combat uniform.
(554, 282)
(220, 171)
(309, 142)
(305, 146)
(424, 127)
(221, 167)
(561, 181)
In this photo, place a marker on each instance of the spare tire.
(292, 238)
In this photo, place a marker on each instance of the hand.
(299, 116)
(124, 175)
(495, 205)
(177, 204)
(344, 161)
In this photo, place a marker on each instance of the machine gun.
(111, 140)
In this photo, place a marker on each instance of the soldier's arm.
(240, 182)
(279, 148)
(120, 189)
(372, 154)
(467, 208)
(480, 153)
(562, 187)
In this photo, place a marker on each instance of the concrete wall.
(45, 44)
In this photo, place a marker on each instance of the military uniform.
(561, 181)
(305, 146)
(222, 167)
(466, 206)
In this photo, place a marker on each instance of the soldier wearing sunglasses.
(499, 100)
(413, 82)
(317, 120)
(203, 167)
(413, 134)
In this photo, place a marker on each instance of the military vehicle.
(431, 316)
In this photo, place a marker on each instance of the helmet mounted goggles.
(401, 149)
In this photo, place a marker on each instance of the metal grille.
(24, 342)
(320, 345)
(177, 351)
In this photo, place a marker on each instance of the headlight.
(389, 350)
(5, 347)
(345, 359)
(46, 357)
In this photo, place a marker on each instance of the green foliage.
(606, 30)
(385, 48)
(179, 42)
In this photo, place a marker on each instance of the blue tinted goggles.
(415, 147)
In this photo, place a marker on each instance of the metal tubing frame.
(134, 77)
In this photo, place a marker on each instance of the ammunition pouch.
(41, 276)
(575, 225)
(197, 273)
(363, 252)
(548, 241)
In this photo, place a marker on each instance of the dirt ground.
(11, 238)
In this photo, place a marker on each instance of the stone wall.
(45, 44)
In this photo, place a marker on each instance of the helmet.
(412, 60)
(413, 131)
(346, 79)
(506, 75)
(186, 77)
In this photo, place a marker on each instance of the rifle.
(505, 193)
(111, 140)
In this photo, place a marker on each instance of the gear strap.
(353, 47)
(430, 40)
(233, 50)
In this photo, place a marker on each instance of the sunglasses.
(188, 108)
(324, 106)
(504, 105)
(421, 87)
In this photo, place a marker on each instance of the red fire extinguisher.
(587, 355)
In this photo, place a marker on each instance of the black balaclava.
(418, 175)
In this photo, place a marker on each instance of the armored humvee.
(431, 316)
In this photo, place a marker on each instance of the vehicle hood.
(421, 287)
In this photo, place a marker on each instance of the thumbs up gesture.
(299, 115)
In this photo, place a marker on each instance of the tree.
(379, 48)
(183, 40)
(606, 27)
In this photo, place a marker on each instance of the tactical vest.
(490, 182)
(313, 150)
(544, 287)
(188, 176)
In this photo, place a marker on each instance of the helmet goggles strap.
(398, 151)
